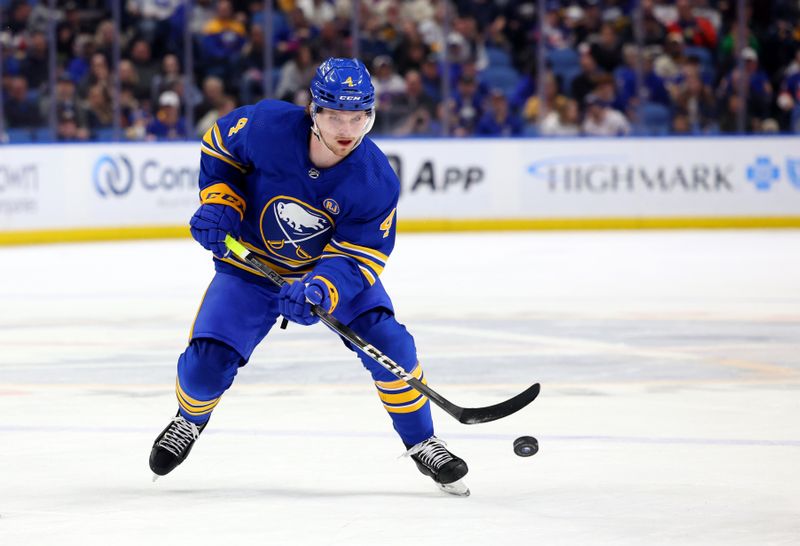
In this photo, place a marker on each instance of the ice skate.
(173, 445)
(434, 460)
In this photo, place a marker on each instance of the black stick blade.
(473, 416)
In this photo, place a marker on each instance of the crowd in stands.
(679, 72)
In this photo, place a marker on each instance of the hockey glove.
(321, 292)
(293, 305)
(211, 223)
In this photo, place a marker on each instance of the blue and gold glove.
(295, 299)
(320, 291)
(221, 212)
(292, 304)
(211, 223)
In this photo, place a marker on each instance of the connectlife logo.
(112, 175)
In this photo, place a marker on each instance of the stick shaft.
(464, 415)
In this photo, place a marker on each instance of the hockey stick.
(468, 416)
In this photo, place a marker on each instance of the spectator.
(590, 23)
(563, 121)
(132, 115)
(98, 105)
(654, 30)
(20, 109)
(66, 98)
(19, 14)
(369, 40)
(251, 66)
(289, 37)
(729, 116)
(413, 108)
(607, 50)
(667, 65)
(606, 90)
(557, 35)
(695, 102)
(780, 46)
(681, 124)
(727, 54)
(789, 96)
(225, 106)
(99, 74)
(431, 77)
(759, 89)
(67, 30)
(498, 120)
(296, 73)
(151, 19)
(388, 83)
(83, 50)
(526, 87)
(223, 39)
(68, 129)
(468, 107)
(170, 72)
(329, 43)
(602, 120)
(770, 127)
(142, 58)
(129, 79)
(584, 82)
(552, 99)
(104, 38)
(213, 96)
(655, 88)
(695, 30)
(318, 12)
(35, 63)
(168, 123)
(202, 14)
(411, 50)
(469, 69)
(625, 76)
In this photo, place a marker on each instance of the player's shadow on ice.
(232, 493)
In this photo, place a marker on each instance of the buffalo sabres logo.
(294, 230)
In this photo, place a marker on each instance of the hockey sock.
(205, 370)
(410, 411)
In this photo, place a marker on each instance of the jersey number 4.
(239, 124)
(386, 225)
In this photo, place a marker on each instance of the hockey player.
(308, 194)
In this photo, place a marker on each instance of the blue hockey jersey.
(336, 223)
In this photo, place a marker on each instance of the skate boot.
(173, 445)
(446, 469)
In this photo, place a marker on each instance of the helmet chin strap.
(315, 129)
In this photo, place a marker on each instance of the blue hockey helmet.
(342, 84)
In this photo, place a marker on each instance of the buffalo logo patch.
(295, 230)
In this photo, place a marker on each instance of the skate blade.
(457, 488)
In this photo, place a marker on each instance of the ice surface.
(669, 413)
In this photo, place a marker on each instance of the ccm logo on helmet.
(349, 98)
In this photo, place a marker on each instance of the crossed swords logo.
(279, 244)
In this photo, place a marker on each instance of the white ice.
(669, 413)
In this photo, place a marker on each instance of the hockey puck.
(525, 446)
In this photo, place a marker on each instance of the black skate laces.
(180, 434)
(431, 453)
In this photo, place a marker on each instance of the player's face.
(340, 130)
